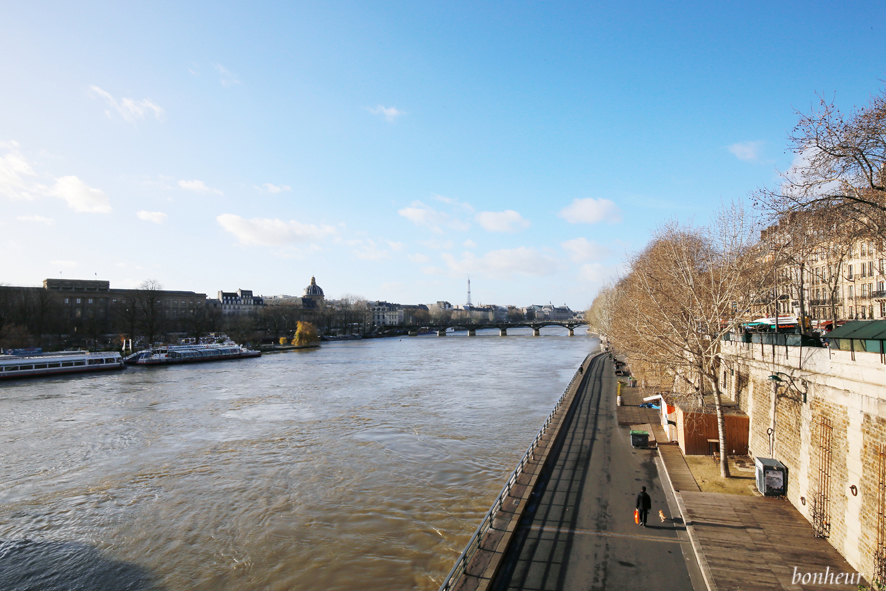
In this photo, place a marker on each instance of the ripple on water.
(363, 464)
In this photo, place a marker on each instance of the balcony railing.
(880, 294)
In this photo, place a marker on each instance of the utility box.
(639, 439)
(772, 477)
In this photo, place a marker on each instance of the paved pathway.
(578, 532)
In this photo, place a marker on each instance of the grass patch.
(707, 474)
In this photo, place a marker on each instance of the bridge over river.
(472, 327)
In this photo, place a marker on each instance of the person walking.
(644, 504)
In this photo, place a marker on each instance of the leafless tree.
(840, 165)
(600, 315)
(150, 312)
(682, 294)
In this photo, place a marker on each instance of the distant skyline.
(392, 150)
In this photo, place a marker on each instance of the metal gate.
(821, 518)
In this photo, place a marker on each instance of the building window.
(90, 300)
(849, 271)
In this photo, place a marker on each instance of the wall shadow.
(28, 565)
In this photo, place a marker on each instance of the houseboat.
(175, 354)
(46, 364)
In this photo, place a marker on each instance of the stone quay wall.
(833, 444)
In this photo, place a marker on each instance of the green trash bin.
(639, 439)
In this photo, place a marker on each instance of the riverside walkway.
(578, 531)
(567, 524)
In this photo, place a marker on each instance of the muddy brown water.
(359, 465)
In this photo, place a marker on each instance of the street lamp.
(776, 380)
(774, 377)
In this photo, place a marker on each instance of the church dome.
(313, 290)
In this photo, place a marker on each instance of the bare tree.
(600, 315)
(150, 312)
(682, 295)
(840, 165)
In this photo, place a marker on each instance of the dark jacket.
(643, 501)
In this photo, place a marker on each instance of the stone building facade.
(847, 279)
(830, 432)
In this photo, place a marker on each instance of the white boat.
(175, 354)
(45, 364)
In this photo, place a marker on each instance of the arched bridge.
(472, 328)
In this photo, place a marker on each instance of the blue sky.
(395, 149)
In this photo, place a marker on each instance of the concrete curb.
(703, 565)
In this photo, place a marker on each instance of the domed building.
(314, 292)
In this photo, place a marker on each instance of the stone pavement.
(570, 527)
(578, 532)
(752, 542)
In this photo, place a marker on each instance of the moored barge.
(62, 362)
(176, 354)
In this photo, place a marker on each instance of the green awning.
(860, 329)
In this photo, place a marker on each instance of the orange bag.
(636, 516)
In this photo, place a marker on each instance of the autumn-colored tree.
(305, 334)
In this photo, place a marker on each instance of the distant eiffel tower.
(468, 305)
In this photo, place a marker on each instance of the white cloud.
(158, 217)
(591, 211)
(747, 151)
(582, 250)
(272, 232)
(389, 113)
(226, 77)
(396, 246)
(422, 215)
(437, 244)
(371, 252)
(14, 173)
(17, 181)
(502, 263)
(418, 258)
(274, 188)
(455, 203)
(63, 263)
(469, 243)
(597, 273)
(37, 219)
(198, 187)
(502, 221)
(79, 196)
(129, 109)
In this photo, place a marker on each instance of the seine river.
(359, 465)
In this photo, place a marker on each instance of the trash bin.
(639, 439)
(772, 477)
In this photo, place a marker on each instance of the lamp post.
(776, 380)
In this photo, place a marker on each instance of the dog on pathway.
(661, 515)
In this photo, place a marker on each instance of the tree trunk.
(721, 432)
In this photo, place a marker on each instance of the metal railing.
(474, 543)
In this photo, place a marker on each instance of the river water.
(359, 465)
